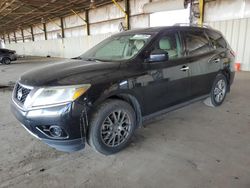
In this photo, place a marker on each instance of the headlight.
(56, 95)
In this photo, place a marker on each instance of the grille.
(21, 93)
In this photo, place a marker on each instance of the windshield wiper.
(93, 59)
(76, 57)
(86, 59)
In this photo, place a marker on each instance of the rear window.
(196, 42)
(216, 39)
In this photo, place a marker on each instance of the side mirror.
(158, 55)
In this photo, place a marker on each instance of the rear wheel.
(219, 90)
(6, 60)
(112, 127)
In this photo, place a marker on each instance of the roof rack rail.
(194, 25)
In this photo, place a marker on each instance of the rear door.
(203, 62)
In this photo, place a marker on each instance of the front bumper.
(67, 117)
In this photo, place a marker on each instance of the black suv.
(6, 56)
(103, 95)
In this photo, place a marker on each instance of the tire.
(219, 90)
(6, 60)
(111, 127)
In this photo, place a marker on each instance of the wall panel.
(237, 34)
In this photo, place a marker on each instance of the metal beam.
(38, 27)
(55, 23)
(79, 16)
(6, 5)
(86, 20)
(122, 10)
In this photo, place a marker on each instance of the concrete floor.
(194, 147)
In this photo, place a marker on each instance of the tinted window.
(169, 43)
(196, 42)
(216, 39)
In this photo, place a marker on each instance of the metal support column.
(4, 39)
(201, 8)
(9, 37)
(45, 31)
(22, 35)
(15, 37)
(32, 33)
(87, 22)
(127, 10)
(62, 27)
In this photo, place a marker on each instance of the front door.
(166, 83)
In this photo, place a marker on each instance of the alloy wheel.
(115, 128)
(6, 61)
(220, 90)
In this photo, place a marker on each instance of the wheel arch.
(127, 97)
(132, 100)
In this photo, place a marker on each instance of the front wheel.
(6, 60)
(112, 127)
(219, 90)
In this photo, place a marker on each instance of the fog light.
(56, 131)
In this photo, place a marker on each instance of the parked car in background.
(6, 56)
(105, 94)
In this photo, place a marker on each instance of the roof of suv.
(159, 29)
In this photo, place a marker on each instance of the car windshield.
(117, 48)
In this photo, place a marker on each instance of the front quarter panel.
(124, 81)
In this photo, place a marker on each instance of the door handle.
(184, 68)
(217, 60)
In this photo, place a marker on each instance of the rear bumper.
(67, 117)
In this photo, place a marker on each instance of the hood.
(70, 72)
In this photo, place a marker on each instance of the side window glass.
(216, 39)
(196, 43)
(170, 44)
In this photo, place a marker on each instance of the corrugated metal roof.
(16, 14)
